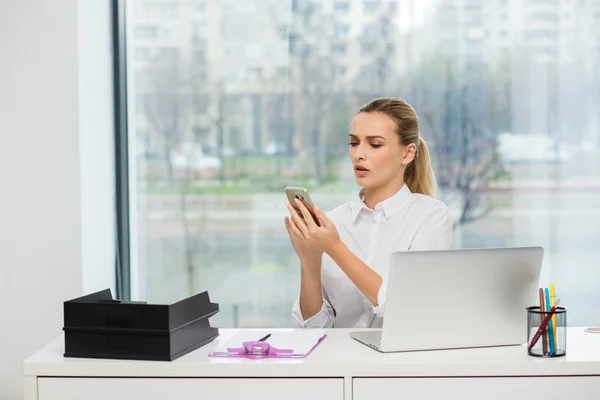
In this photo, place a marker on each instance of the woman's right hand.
(306, 253)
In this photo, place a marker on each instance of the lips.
(360, 171)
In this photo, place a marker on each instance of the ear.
(409, 154)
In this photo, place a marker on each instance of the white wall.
(55, 170)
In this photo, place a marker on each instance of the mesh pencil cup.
(551, 340)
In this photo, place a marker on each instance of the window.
(168, 33)
(544, 16)
(366, 49)
(198, 32)
(199, 57)
(341, 31)
(233, 50)
(341, 6)
(515, 149)
(473, 19)
(369, 7)
(146, 32)
(168, 11)
(255, 74)
(339, 49)
(339, 71)
(146, 54)
(367, 72)
(542, 34)
(283, 31)
(283, 72)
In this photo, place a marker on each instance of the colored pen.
(552, 300)
(550, 330)
(264, 338)
(542, 310)
(543, 326)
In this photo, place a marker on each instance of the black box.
(98, 326)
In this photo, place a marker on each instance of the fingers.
(292, 229)
(321, 216)
(308, 219)
(287, 225)
(297, 221)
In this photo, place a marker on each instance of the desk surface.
(337, 356)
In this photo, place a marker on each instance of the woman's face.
(375, 150)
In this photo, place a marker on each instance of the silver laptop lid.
(460, 298)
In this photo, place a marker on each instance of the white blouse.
(405, 221)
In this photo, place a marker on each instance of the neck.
(375, 195)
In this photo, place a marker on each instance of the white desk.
(339, 368)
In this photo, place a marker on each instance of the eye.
(353, 144)
(375, 146)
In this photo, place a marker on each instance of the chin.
(364, 182)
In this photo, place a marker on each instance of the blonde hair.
(418, 176)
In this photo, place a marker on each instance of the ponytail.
(419, 176)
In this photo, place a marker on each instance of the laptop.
(453, 299)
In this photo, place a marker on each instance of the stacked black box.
(98, 326)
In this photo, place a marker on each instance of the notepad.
(297, 343)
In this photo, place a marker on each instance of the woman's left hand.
(324, 237)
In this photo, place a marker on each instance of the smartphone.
(295, 192)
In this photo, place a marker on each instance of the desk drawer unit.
(190, 388)
(500, 388)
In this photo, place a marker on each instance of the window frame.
(122, 212)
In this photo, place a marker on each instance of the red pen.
(543, 325)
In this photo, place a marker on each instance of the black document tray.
(98, 326)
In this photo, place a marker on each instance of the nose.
(358, 153)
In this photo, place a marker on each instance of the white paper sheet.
(300, 341)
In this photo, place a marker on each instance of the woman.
(345, 261)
